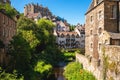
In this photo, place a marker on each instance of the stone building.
(5, 1)
(7, 31)
(102, 29)
(36, 11)
(102, 16)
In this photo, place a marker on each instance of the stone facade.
(36, 11)
(102, 30)
(112, 52)
(102, 15)
(110, 61)
(7, 31)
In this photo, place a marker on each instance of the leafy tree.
(9, 10)
(43, 69)
(75, 71)
(25, 24)
(19, 49)
(50, 54)
(72, 27)
(9, 76)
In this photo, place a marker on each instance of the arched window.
(77, 36)
(62, 35)
(73, 36)
(68, 36)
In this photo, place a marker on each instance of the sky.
(71, 10)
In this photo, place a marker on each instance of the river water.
(58, 72)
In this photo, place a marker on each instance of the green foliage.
(72, 27)
(9, 76)
(30, 37)
(19, 49)
(43, 69)
(25, 24)
(75, 71)
(9, 10)
(68, 56)
(33, 49)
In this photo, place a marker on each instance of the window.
(91, 18)
(99, 46)
(91, 32)
(114, 11)
(91, 45)
(73, 36)
(77, 36)
(99, 14)
(106, 41)
(68, 36)
(62, 36)
(100, 30)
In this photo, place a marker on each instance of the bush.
(9, 76)
(75, 71)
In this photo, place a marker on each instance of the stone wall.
(87, 65)
(112, 63)
(112, 52)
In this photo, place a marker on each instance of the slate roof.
(91, 6)
(114, 35)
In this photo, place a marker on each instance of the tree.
(43, 69)
(19, 50)
(9, 76)
(75, 71)
(50, 54)
(72, 27)
(9, 10)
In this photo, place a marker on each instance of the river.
(58, 72)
